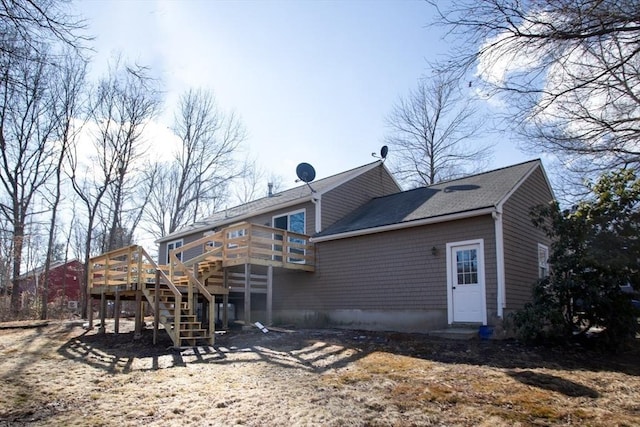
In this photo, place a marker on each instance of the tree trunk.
(18, 243)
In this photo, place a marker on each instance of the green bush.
(595, 251)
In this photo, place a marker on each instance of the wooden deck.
(174, 290)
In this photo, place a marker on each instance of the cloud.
(578, 84)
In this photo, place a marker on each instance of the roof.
(299, 194)
(472, 195)
(54, 265)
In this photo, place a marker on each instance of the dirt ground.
(63, 375)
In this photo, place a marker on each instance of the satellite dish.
(306, 172)
(383, 153)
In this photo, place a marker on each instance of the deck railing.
(132, 268)
(123, 268)
(244, 243)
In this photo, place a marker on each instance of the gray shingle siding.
(521, 239)
(375, 251)
(340, 201)
(393, 270)
(190, 253)
(310, 216)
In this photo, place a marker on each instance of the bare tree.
(431, 133)
(37, 25)
(6, 250)
(26, 146)
(65, 108)
(120, 107)
(254, 182)
(125, 103)
(569, 71)
(194, 183)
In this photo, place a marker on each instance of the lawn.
(61, 374)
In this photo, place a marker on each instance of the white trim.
(522, 180)
(407, 224)
(481, 277)
(499, 233)
(317, 201)
(304, 226)
(546, 263)
(500, 274)
(515, 187)
(288, 214)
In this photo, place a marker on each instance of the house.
(353, 250)
(64, 282)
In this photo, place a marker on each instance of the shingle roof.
(299, 194)
(471, 193)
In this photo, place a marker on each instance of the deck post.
(138, 327)
(247, 295)
(225, 300)
(212, 320)
(190, 293)
(103, 314)
(116, 313)
(269, 295)
(156, 308)
(89, 300)
(90, 311)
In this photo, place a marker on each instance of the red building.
(65, 279)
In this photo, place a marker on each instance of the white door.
(466, 282)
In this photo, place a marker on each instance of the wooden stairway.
(174, 289)
(187, 329)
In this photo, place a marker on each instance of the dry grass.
(61, 374)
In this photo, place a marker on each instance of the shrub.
(595, 251)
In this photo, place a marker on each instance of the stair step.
(194, 333)
(172, 301)
(183, 319)
(190, 330)
(167, 297)
(171, 305)
(192, 342)
(188, 325)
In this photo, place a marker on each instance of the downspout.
(316, 199)
(497, 217)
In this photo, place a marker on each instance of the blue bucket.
(485, 332)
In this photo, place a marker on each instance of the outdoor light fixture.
(434, 251)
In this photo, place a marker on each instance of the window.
(543, 261)
(295, 222)
(174, 245)
(235, 234)
(467, 266)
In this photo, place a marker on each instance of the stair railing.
(176, 293)
(175, 265)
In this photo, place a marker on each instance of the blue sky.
(311, 80)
